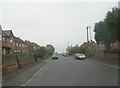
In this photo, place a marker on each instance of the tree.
(50, 49)
(41, 52)
(107, 31)
(77, 49)
(83, 50)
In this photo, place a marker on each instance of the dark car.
(55, 56)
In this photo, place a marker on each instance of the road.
(67, 71)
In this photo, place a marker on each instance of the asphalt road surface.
(67, 71)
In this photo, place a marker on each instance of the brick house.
(35, 46)
(19, 45)
(14, 43)
(32, 46)
(99, 47)
(115, 46)
(88, 45)
(9, 33)
(0, 40)
(5, 43)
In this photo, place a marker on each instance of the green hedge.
(11, 59)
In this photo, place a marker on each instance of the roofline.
(9, 30)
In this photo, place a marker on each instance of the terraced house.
(5, 43)
(19, 45)
(13, 44)
(0, 45)
(32, 46)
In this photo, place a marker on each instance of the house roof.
(8, 32)
(18, 40)
(4, 34)
(29, 43)
(0, 29)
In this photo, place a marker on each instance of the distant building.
(115, 46)
(36, 46)
(32, 46)
(92, 46)
(88, 45)
(19, 45)
(99, 47)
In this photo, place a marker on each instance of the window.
(4, 51)
(3, 38)
(11, 41)
(111, 44)
(22, 45)
(14, 43)
(0, 37)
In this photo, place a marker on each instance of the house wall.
(0, 47)
(100, 47)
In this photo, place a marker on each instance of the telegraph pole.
(87, 34)
(68, 43)
(67, 46)
(90, 34)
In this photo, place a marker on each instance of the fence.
(13, 62)
(97, 54)
(107, 57)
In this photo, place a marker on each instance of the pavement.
(22, 75)
(66, 71)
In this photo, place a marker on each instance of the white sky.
(53, 22)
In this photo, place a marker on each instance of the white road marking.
(32, 77)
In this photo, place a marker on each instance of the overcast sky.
(53, 23)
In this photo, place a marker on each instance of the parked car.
(55, 56)
(65, 54)
(80, 56)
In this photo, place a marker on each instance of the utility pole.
(68, 43)
(87, 34)
(67, 46)
(90, 34)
